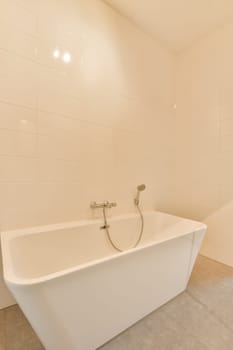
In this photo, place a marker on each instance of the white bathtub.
(78, 292)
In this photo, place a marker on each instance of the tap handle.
(113, 204)
(93, 205)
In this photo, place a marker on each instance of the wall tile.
(227, 127)
(227, 143)
(18, 118)
(91, 129)
(18, 169)
(17, 16)
(205, 91)
(18, 80)
(18, 205)
(14, 143)
(18, 42)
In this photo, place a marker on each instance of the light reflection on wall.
(66, 56)
(56, 53)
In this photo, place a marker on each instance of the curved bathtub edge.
(15, 281)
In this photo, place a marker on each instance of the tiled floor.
(199, 319)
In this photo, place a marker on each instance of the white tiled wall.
(205, 139)
(91, 129)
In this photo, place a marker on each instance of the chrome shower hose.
(109, 236)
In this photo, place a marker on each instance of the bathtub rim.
(12, 279)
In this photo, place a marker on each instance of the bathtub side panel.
(198, 237)
(85, 309)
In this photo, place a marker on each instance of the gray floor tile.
(19, 334)
(157, 331)
(199, 322)
(2, 330)
(212, 285)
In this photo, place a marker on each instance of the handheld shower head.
(140, 188)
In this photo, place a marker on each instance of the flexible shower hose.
(109, 236)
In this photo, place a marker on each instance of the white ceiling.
(177, 23)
